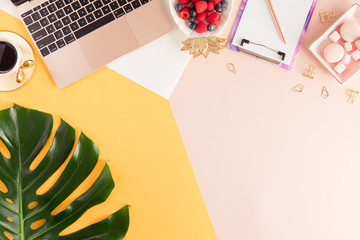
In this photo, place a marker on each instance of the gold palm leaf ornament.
(203, 46)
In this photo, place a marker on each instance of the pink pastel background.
(273, 164)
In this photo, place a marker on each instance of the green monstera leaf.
(24, 133)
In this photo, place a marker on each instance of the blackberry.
(219, 8)
(210, 27)
(193, 26)
(178, 7)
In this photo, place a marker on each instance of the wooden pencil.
(276, 20)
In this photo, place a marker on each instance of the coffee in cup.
(8, 57)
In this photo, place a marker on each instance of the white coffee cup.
(19, 57)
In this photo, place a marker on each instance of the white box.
(317, 48)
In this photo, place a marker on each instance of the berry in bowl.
(200, 18)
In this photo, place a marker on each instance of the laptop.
(77, 37)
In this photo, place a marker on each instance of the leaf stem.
(11, 210)
(22, 237)
(12, 230)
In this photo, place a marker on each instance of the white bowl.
(184, 24)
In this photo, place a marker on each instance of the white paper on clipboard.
(258, 26)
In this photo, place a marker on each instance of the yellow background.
(134, 129)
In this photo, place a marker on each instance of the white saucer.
(8, 82)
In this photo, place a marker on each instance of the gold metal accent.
(353, 94)
(20, 75)
(324, 92)
(298, 88)
(28, 64)
(326, 16)
(310, 72)
(231, 67)
(202, 46)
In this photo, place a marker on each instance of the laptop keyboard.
(57, 23)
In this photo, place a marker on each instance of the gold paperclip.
(311, 72)
(231, 67)
(298, 88)
(326, 16)
(324, 92)
(20, 75)
(353, 94)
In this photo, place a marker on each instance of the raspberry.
(216, 2)
(200, 6)
(184, 2)
(201, 16)
(185, 13)
(214, 18)
(194, 1)
(201, 27)
(210, 6)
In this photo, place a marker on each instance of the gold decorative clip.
(28, 64)
(326, 16)
(203, 46)
(324, 92)
(298, 88)
(310, 72)
(231, 67)
(353, 94)
(20, 75)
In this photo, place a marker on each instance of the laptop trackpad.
(108, 43)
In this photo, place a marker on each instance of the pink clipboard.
(280, 63)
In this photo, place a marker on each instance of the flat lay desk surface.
(260, 162)
(273, 164)
(135, 130)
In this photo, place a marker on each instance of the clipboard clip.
(246, 41)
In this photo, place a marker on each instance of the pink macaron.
(334, 52)
(350, 31)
